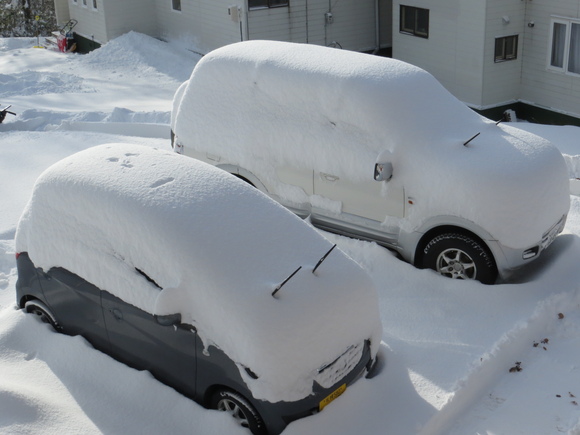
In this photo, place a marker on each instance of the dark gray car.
(179, 345)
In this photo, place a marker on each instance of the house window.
(414, 21)
(565, 46)
(506, 48)
(85, 3)
(257, 4)
(176, 5)
(94, 4)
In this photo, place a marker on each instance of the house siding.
(129, 15)
(352, 27)
(61, 11)
(541, 86)
(453, 51)
(501, 80)
(91, 22)
(202, 24)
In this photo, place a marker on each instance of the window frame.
(503, 56)
(565, 49)
(268, 4)
(404, 10)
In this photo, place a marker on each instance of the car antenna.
(323, 258)
(285, 281)
(472, 137)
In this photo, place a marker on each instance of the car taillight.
(17, 255)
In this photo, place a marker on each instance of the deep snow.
(448, 345)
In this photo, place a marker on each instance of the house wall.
(352, 27)
(453, 53)
(542, 86)
(501, 80)
(91, 21)
(61, 11)
(202, 24)
(123, 16)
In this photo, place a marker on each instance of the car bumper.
(517, 258)
(278, 415)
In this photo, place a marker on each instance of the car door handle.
(117, 314)
(329, 177)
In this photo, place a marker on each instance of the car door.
(76, 304)
(141, 341)
(367, 199)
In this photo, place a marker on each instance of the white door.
(369, 199)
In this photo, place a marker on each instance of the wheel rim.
(456, 264)
(234, 410)
(41, 315)
(37, 309)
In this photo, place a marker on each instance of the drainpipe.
(377, 27)
(247, 20)
(306, 21)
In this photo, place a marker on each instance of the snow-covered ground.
(453, 350)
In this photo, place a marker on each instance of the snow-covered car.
(173, 266)
(377, 149)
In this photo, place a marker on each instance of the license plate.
(331, 397)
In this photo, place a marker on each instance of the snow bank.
(265, 105)
(134, 50)
(216, 246)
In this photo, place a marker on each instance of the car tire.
(239, 408)
(459, 256)
(42, 312)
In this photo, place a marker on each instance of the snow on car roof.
(338, 110)
(216, 246)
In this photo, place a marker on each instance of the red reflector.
(17, 255)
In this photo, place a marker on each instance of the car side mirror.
(383, 171)
(169, 320)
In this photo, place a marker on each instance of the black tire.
(42, 312)
(240, 409)
(459, 256)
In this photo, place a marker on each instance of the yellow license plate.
(331, 397)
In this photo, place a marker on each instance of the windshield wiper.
(285, 281)
(323, 258)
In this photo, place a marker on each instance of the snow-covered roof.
(216, 246)
(267, 104)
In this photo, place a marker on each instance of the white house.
(494, 53)
(491, 54)
(208, 24)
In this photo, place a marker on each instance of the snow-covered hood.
(216, 246)
(266, 104)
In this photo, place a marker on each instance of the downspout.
(307, 21)
(247, 20)
(377, 27)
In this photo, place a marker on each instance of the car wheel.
(239, 408)
(41, 311)
(459, 256)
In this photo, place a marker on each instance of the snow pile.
(134, 50)
(336, 111)
(216, 246)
